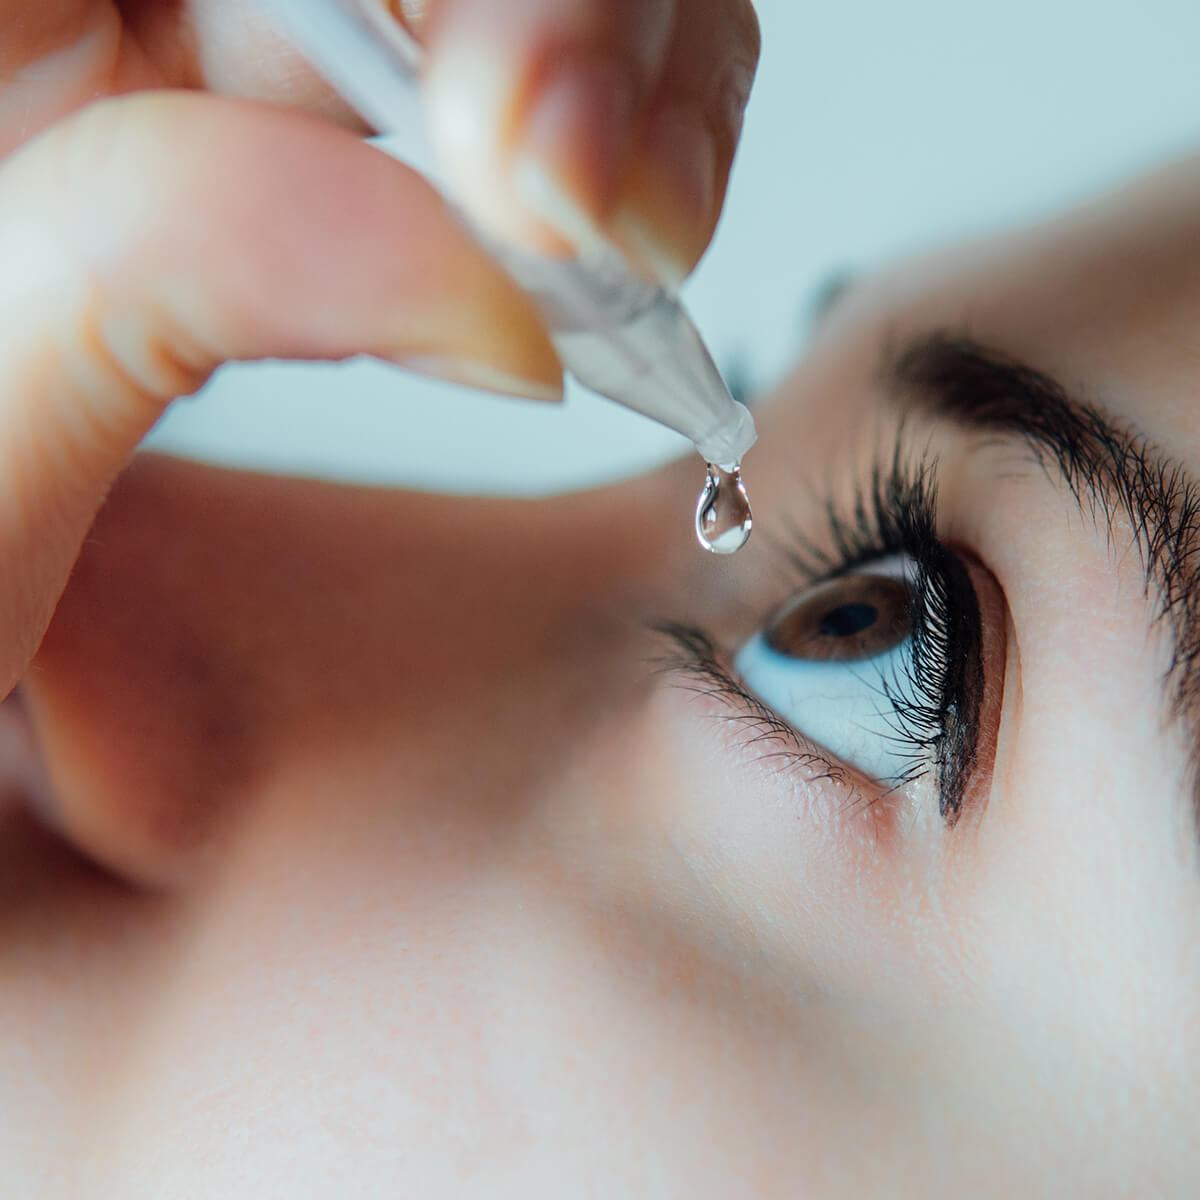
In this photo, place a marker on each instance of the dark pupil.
(847, 620)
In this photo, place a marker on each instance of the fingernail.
(570, 162)
(485, 377)
(666, 217)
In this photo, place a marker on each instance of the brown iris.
(843, 620)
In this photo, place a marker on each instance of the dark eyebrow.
(1113, 471)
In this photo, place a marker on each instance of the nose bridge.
(221, 627)
(512, 628)
(506, 583)
(513, 578)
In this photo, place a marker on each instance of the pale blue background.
(875, 128)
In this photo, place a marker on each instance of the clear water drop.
(723, 517)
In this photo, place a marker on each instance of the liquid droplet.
(723, 517)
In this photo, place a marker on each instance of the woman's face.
(485, 848)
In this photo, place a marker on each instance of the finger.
(231, 47)
(56, 57)
(148, 239)
(53, 59)
(592, 118)
(532, 106)
(675, 189)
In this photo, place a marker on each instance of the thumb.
(148, 239)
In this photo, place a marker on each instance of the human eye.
(874, 665)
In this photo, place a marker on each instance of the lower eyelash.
(936, 704)
(696, 659)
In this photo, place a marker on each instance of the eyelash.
(936, 703)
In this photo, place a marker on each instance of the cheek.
(149, 721)
(792, 867)
(1079, 922)
(1081, 893)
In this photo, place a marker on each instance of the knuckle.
(718, 44)
(145, 355)
(733, 92)
(89, 237)
(749, 32)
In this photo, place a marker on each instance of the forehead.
(1106, 297)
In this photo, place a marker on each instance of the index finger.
(675, 189)
(576, 119)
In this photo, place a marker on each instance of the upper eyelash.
(936, 704)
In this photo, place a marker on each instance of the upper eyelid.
(1109, 470)
(904, 481)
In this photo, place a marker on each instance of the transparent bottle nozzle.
(622, 336)
(631, 341)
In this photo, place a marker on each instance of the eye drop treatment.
(624, 337)
(723, 516)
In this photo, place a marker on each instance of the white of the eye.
(843, 706)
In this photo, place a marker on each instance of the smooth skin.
(379, 858)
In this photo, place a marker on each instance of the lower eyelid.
(865, 740)
(754, 729)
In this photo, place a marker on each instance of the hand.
(614, 118)
(148, 235)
